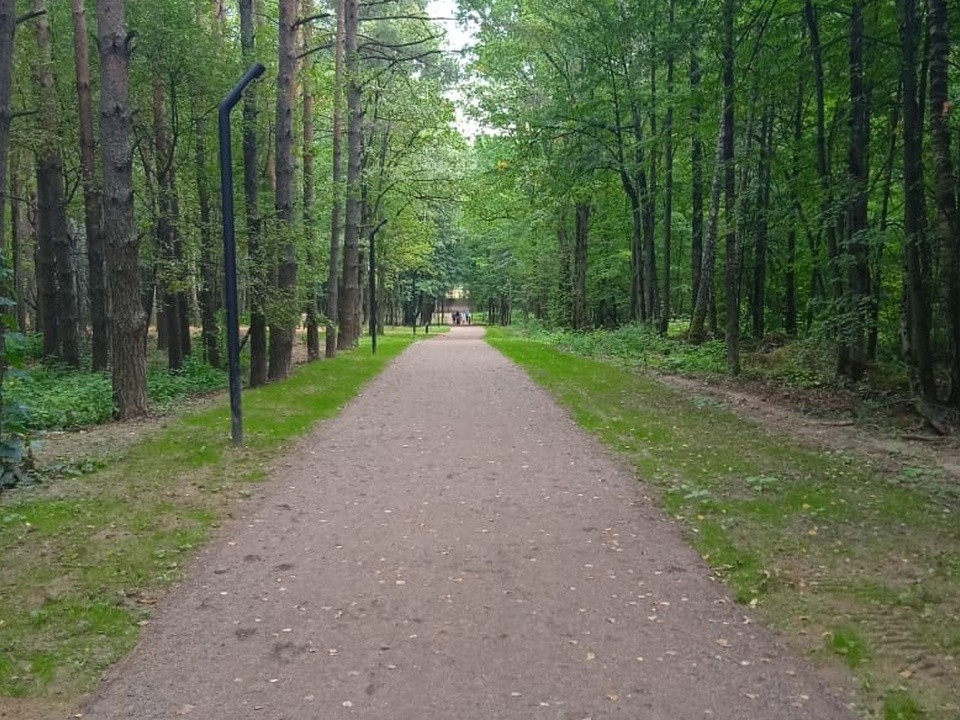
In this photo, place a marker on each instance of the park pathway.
(453, 547)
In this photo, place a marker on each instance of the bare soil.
(817, 419)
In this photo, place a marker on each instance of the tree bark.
(309, 186)
(333, 274)
(705, 296)
(668, 189)
(251, 192)
(129, 324)
(732, 291)
(8, 23)
(948, 221)
(92, 194)
(168, 279)
(696, 184)
(917, 242)
(60, 296)
(853, 354)
(581, 320)
(350, 301)
(286, 310)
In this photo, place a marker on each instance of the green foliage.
(194, 378)
(849, 643)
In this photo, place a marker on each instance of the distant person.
(469, 318)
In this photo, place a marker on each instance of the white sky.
(457, 38)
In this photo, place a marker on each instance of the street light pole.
(230, 249)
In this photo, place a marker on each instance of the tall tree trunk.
(251, 193)
(581, 320)
(562, 310)
(168, 277)
(92, 194)
(209, 293)
(696, 185)
(8, 24)
(853, 355)
(668, 190)
(705, 296)
(350, 301)
(761, 231)
(827, 223)
(116, 134)
(790, 271)
(286, 311)
(948, 221)
(60, 297)
(914, 211)
(21, 228)
(309, 186)
(732, 290)
(336, 228)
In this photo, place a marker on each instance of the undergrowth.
(58, 398)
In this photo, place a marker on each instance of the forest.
(756, 173)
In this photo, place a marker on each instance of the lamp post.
(230, 249)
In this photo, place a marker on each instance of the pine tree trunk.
(914, 210)
(350, 300)
(128, 331)
(286, 310)
(853, 357)
(8, 13)
(92, 194)
(168, 265)
(581, 320)
(309, 185)
(705, 296)
(668, 190)
(696, 184)
(333, 274)
(948, 221)
(251, 193)
(209, 293)
(732, 289)
(60, 298)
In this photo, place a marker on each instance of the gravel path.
(453, 547)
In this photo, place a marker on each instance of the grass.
(82, 559)
(857, 568)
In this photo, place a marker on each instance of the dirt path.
(453, 546)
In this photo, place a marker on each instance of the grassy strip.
(82, 560)
(858, 567)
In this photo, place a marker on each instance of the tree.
(92, 194)
(59, 299)
(129, 339)
(336, 228)
(349, 305)
(285, 309)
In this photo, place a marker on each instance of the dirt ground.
(889, 445)
(460, 549)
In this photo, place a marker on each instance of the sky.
(444, 12)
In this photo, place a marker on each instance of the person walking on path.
(460, 551)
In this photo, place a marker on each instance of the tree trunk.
(333, 271)
(914, 210)
(668, 190)
(209, 293)
(948, 222)
(309, 186)
(168, 279)
(705, 296)
(696, 185)
(92, 194)
(853, 354)
(286, 310)
(732, 290)
(251, 193)
(581, 321)
(761, 230)
(790, 271)
(116, 133)
(60, 298)
(8, 25)
(350, 301)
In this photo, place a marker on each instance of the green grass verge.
(856, 566)
(82, 559)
